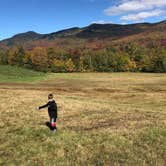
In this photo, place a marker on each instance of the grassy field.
(114, 119)
(18, 74)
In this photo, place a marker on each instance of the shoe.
(54, 130)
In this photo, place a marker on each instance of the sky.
(46, 16)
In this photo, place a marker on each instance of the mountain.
(110, 30)
(22, 38)
(100, 32)
(63, 33)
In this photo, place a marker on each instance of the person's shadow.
(48, 125)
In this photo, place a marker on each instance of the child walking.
(52, 112)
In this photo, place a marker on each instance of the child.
(52, 111)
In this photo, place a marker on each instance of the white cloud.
(142, 15)
(134, 6)
(101, 22)
(124, 23)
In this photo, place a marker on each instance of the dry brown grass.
(104, 119)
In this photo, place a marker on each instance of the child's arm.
(46, 105)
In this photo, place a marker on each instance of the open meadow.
(105, 119)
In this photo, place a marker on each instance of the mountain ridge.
(92, 31)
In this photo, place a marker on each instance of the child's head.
(50, 96)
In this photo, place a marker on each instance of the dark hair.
(50, 96)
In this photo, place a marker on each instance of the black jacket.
(52, 108)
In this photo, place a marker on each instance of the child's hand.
(37, 109)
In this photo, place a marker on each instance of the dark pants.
(53, 117)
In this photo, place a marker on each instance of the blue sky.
(46, 16)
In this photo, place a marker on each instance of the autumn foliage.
(128, 57)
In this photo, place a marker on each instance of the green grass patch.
(18, 74)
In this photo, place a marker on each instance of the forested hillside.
(98, 47)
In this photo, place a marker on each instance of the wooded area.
(129, 57)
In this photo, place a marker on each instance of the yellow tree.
(69, 65)
(39, 58)
(12, 59)
(58, 65)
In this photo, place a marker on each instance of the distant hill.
(22, 38)
(111, 30)
(107, 32)
(63, 33)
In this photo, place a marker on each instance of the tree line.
(128, 57)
